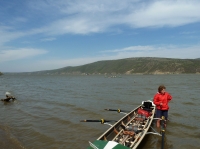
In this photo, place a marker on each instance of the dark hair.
(160, 88)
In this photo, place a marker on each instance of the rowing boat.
(129, 131)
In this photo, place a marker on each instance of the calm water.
(48, 111)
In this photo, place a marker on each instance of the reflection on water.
(49, 108)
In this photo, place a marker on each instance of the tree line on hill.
(141, 65)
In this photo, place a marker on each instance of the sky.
(50, 34)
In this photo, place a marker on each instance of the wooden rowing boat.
(129, 131)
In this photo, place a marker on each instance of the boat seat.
(147, 106)
(130, 133)
(117, 135)
(124, 139)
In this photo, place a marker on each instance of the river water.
(49, 108)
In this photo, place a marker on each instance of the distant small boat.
(113, 76)
(129, 131)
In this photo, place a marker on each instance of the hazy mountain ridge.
(142, 65)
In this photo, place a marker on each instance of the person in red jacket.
(161, 99)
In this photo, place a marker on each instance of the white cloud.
(7, 34)
(11, 55)
(48, 39)
(85, 17)
(169, 51)
(165, 13)
(94, 16)
(132, 48)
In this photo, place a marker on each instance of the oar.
(101, 120)
(118, 110)
(162, 131)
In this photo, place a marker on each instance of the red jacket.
(162, 98)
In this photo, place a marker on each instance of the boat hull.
(130, 139)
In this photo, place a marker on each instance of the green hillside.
(143, 65)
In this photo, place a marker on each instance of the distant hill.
(1, 73)
(142, 65)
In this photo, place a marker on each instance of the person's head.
(161, 89)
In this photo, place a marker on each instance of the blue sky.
(49, 34)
